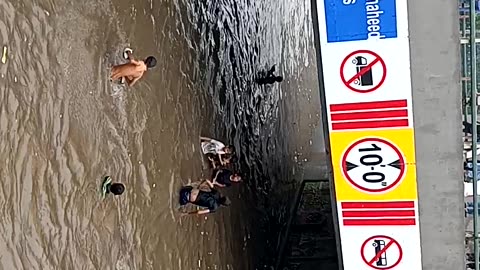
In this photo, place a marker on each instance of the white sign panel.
(366, 70)
(380, 235)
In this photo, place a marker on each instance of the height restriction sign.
(373, 165)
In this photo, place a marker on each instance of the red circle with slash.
(378, 258)
(354, 82)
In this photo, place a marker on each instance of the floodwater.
(64, 126)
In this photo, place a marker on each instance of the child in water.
(133, 70)
(269, 77)
(210, 199)
(212, 148)
(109, 187)
(225, 178)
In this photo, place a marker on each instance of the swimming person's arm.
(213, 162)
(221, 159)
(128, 81)
(205, 139)
(227, 160)
(133, 60)
(224, 161)
(132, 82)
(202, 212)
(209, 183)
(130, 55)
(215, 180)
(199, 212)
(213, 205)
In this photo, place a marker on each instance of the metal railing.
(283, 256)
(473, 100)
(469, 38)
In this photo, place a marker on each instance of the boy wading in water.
(133, 70)
(210, 199)
(225, 178)
(269, 77)
(211, 147)
(109, 187)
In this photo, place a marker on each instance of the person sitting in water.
(133, 70)
(109, 187)
(225, 178)
(269, 77)
(214, 147)
(211, 199)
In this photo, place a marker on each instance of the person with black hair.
(269, 77)
(109, 187)
(133, 70)
(210, 199)
(225, 178)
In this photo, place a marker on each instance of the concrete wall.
(435, 61)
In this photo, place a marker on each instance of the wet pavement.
(64, 126)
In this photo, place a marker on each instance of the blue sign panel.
(352, 20)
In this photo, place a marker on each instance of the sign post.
(367, 96)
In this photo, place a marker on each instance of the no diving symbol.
(363, 71)
(381, 252)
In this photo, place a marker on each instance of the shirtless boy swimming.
(133, 70)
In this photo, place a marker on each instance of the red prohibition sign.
(368, 68)
(382, 249)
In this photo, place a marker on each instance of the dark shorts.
(185, 195)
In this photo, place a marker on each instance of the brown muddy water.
(64, 126)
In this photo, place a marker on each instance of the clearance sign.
(366, 70)
(374, 165)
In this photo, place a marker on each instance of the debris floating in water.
(4, 55)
